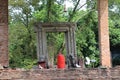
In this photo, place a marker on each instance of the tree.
(22, 45)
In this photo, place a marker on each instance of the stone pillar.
(41, 42)
(4, 32)
(104, 33)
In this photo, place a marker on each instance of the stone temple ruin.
(67, 28)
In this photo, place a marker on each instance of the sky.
(69, 4)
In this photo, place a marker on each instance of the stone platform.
(58, 74)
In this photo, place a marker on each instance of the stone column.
(104, 33)
(70, 42)
(42, 43)
(4, 33)
(67, 42)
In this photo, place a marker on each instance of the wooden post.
(104, 33)
(4, 33)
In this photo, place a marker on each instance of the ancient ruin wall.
(4, 32)
(57, 74)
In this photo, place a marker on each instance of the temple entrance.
(67, 28)
(55, 44)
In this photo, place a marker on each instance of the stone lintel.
(55, 25)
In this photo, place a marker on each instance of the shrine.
(66, 27)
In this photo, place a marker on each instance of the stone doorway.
(67, 28)
(55, 45)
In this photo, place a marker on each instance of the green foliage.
(86, 39)
(115, 36)
(38, 15)
(20, 49)
(22, 40)
(114, 23)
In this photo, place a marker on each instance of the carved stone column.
(70, 41)
(4, 32)
(41, 42)
(104, 33)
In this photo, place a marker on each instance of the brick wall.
(56, 74)
(4, 32)
(4, 11)
(104, 33)
(3, 44)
